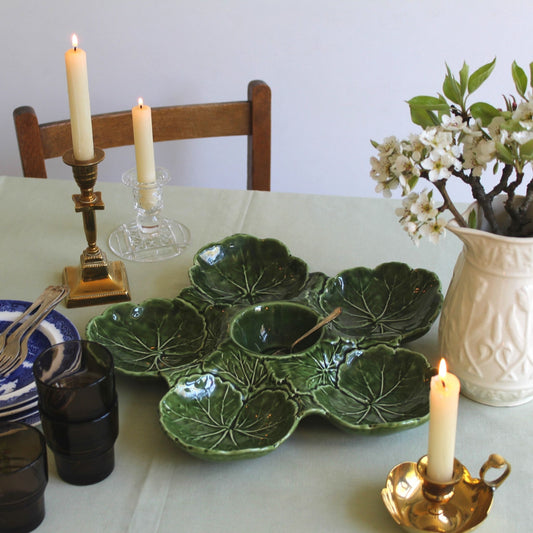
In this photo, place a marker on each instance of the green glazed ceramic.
(391, 303)
(243, 269)
(242, 405)
(381, 389)
(150, 337)
(211, 419)
(272, 328)
(235, 390)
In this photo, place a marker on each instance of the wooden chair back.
(252, 117)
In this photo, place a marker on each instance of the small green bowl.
(270, 329)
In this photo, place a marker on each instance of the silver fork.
(16, 346)
(44, 296)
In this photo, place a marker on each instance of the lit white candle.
(79, 104)
(144, 142)
(443, 406)
(144, 154)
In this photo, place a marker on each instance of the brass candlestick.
(419, 504)
(95, 281)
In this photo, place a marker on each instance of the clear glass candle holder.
(151, 236)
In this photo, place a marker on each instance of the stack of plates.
(18, 393)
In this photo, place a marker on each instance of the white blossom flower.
(433, 230)
(408, 219)
(415, 147)
(402, 164)
(404, 212)
(496, 132)
(405, 169)
(389, 146)
(427, 136)
(424, 207)
(453, 123)
(522, 137)
(407, 183)
(385, 187)
(411, 227)
(444, 139)
(486, 151)
(412, 230)
(379, 168)
(477, 152)
(437, 138)
(382, 173)
(524, 114)
(439, 164)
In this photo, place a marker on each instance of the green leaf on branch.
(463, 78)
(519, 78)
(526, 150)
(374, 143)
(504, 154)
(511, 125)
(531, 74)
(429, 103)
(424, 109)
(472, 219)
(484, 112)
(412, 182)
(452, 90)
(480, 75)
(424, 118)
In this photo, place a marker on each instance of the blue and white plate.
(18, 391)
(30, 417)
(19, 408)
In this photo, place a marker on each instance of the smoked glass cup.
(83, 451)
(79, 410)
(23, 477)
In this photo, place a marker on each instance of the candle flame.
(74, 41)
(442, 368)
(140, 102)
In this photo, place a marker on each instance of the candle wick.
(443, 383)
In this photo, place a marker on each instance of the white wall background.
(340, 73)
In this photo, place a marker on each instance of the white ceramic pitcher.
(486, 324)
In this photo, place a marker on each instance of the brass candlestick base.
(95, 281)
(419, 504)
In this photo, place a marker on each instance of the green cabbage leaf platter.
(235, 388)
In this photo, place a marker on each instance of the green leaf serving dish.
(236, 390)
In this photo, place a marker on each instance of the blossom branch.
(460, 141)
(483, 198)
(502, 184)
(440, 185)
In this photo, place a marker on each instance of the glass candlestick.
(150, 237)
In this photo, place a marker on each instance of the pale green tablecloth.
(320, 480)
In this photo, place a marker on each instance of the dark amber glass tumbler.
(23, 477)
(79, 409)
